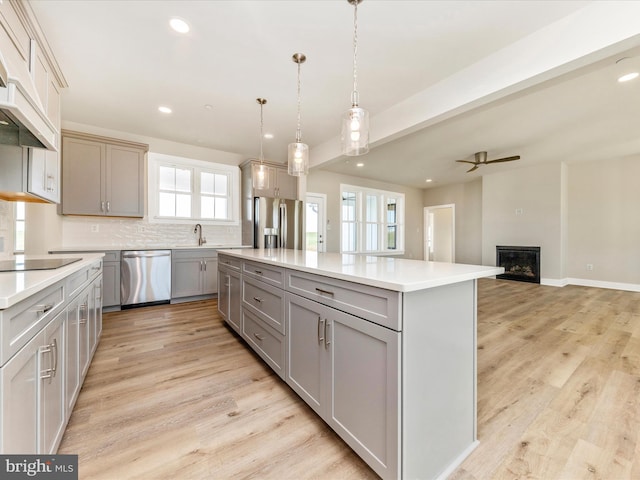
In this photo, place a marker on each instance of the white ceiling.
(122, 61)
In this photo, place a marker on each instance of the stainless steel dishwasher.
(145, 277)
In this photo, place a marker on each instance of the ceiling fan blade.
(475, 167)
(467, 161)
(506, 159)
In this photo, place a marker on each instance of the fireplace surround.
(520, 263)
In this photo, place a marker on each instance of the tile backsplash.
(86, 232)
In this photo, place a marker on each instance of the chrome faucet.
(201, 239)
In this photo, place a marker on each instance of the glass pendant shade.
(355, 131)
(260, 180)
(298, 159)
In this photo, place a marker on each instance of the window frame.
(378, 221)
(157, 160)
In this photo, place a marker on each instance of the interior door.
(315, 224)
(439, 227)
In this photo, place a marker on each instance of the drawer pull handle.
(258, 272)
(40, 309)
(257, 299)
(258, 336)
(324, 292)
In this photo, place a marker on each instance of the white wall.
(321, 181)
(467, 198)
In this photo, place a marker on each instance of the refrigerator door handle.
(283, 225)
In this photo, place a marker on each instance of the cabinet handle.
(108, 206)
(227, 285)
(54, 345)
(327, 342)
(102, 206)
(259, 337)
(258, 272)
(257, 299)
(48, 373)
(83, 311)
(51, 348)
(320, 329)
(324, 292)
(205, 265)
(42, 309)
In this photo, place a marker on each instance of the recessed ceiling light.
(179, 25)
(268, 136)
(628, 76)
(429, 180)
(208, 107)
(359, 164)
(164, 109)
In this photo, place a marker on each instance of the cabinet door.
(186, 277)
(210, 275)
(124, 175)
(223, 294)
(111, 284)
(286, 185)
(235, 301)
(97, 330)
(84, 310)
(44, 174)
(19, 388)
(52, 407)
(364, 389)
(72, 370)
(307, 359)
(82, 188)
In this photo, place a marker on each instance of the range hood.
(22, 121)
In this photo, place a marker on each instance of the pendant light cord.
(354, 94)
(298, 130)
(261, 134)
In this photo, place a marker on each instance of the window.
(182, 190)
(371, 220)
(18, 245)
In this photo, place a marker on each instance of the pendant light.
(259, 171)
(355, 122)
(298, 152)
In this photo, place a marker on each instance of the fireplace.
(520, 263)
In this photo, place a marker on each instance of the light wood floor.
(173, 394)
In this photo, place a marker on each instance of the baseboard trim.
(629, 287)
(554, 282)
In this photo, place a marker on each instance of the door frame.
(427, 210)
(321, 200)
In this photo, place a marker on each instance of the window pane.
(392, 238)
(167, 204)
(348, 237)
(391, 211)
(311, 229)
(206, 183)
(183, 205)
(20, 211)
(349, 206)
(221, 208)
(372, 236)
(221, 184)
(372, 208)
(206, 207)
(167, 178)
(183, 180)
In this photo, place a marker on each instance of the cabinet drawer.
(266, 343)
(194, 253)
(371, 303)
(266, 273)
(265, 301)
(24, 320)
(77, 281)
(230, 262)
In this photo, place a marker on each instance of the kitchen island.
(382, 349)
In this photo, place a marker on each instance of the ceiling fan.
(481, 159)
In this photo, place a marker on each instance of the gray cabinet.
(102, 176)
(229, 292)
(347, 370)
(279, 183)
(52, 408)
(194, 273)
(44, 174)
(111, 279)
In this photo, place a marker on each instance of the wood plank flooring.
(172, 393)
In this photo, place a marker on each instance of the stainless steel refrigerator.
(278, 223)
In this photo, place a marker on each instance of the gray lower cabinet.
(347, 370)
(194, 273)
(111, 279)
(229, 295)
(39, 383)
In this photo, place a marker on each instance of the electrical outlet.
(589, 266)
(519, 211)
(95, 228)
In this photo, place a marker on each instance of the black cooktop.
(35, 264)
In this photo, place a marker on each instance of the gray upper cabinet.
(44, 174)
(279, 183)
(102, 176)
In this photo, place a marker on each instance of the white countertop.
(16, 286)
(396, 274)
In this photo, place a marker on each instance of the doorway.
(315, 224)
(440, 233)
